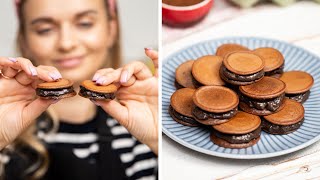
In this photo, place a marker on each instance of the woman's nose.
(67, 41)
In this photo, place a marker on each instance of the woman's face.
(72, 35)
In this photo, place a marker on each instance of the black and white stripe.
(139, 161)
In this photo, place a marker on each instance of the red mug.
(185, 15)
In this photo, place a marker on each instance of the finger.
(9, 72)
(101, 72)
(53, 72)
(138, 69)
(116, 110)
(35, 109)
(43, 75)
(7, 62)
(153, 55)
(109, 77)
(25, 65)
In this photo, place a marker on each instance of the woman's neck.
(75, 110)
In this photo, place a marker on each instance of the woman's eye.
(85, 25)
(44, 31)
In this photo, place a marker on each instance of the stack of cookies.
(238, 92)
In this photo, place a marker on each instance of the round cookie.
(285, 121)
(264, 97)
(241, 131)
(274, 61)
(205, 71)
(184, 76)
(298, 85)
(90, 90)
(242, 68)
(63, 88)
(214, 104)
(226, 49)
(181, 105)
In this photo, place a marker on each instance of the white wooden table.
(298, 24)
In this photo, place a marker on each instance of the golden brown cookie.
(214, 104)
(184, 76)
(63, 88)
(226, 49)
(285, 121)
(181, 105)
(89, 89)
(205, 71)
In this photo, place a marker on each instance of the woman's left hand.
(137, 105)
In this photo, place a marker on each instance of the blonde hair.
(29, 138)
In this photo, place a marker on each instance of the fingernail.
(95, 102)
(12, 59)
(53, 76)
(100, 80)
(124, 77)
(148, 48)
(58, 75)
(95, 77)
(33, 70)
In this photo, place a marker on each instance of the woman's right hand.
(19, 106)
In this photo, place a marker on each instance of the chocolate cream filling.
(268, 104)
(95, 95)
(238, 138)
(301, 97)
(201, 114)
(177, 85)
(181, 117)
(243, 78)
(276, 71)
(279, 129)
(53, 92)
(196, 83)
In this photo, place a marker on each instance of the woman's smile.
(68, 62)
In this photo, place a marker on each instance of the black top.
(98, 149)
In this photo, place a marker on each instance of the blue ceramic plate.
(197, 138)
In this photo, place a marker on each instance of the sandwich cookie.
(184, 76)
(181, 105)
(205, 71)
(285, 121)
(263, 97)
(63, 88)
(226, 49)
(242, 68)
(214, 105)
(298, 85)
(241, 131)
(274, 61)
(90, 90)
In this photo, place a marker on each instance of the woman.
(76, 40)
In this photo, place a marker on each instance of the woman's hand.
(18, 104)
(137, 105)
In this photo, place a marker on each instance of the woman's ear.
(113, 32)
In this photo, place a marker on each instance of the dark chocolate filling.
(201, 114)
(95, 95)
(243, 78)
(182, 117)
(301, 97)
(238, 138)
(177, 85)
(53, 92)
(269, 104)
(279, 129)
(276, 71)
(196, 83)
